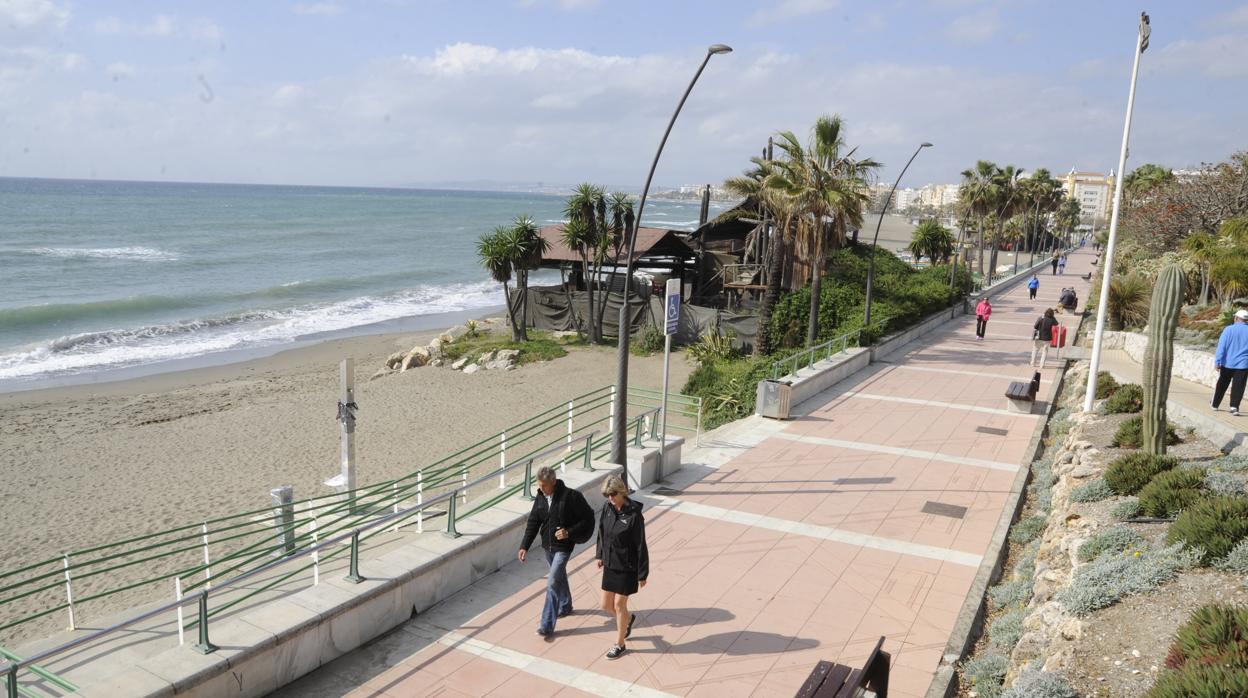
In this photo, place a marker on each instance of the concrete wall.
(269, 646)
(1190, 363)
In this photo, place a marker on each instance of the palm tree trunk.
(594, 330)
(981, 248)
(816, 287)
(511, 312)
(1204, 286)
(762, 344)
(522, 283)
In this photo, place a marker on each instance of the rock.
(415, 359)
(1030, 646)
(507, 354)
(421, 352)
(1066, 458)
(1072, 629)
(1081, 471)
(460, 363)
(1081, 445)
(472, 368)
(437, 363)
(565, 334)
(454, 333)
(1135, 653)
(486, 357)
(394, 360)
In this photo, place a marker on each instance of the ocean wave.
(92, 351)
(142, 254)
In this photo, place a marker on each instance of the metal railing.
(806, 358)
(183, 556)
(312, 550)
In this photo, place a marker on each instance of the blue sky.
(395, 92)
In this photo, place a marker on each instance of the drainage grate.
(953, 511)
(668, 492)
(992, 430)
(863, 480)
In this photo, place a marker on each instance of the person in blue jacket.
(1231, 360)
(1032, 287)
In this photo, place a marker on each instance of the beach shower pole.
(345, 480)
(866, 321)
(1107, 264)
(619, 440)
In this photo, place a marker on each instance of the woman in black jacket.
(622, 556)
(1042, 337)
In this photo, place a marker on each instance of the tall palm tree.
(619, 207)
(495, 255)
(526, 247)
(975, 196)
(1066, 218)
(586, 208)
(1006, 200)
(578, 236)
(1145, 178)
(754, 184)
(1202, 248)
(932, 240)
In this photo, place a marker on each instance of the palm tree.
(622, 216)
(496, 256)
(1006, 198)
(754, 184)
(1066, 218)
(1229, 274)
(1145, 178)
(526, 247)
(975, 196)
(932, 240)
(586, 211)
(1202, 248)
(578, 236)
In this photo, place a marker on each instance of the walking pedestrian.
(622, 556)
(1032, 286)
(563, 517)
(1042, 336)
(1054, 263)
(1061, 265)
(1231, 360)
(983, 311)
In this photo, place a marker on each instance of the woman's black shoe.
(616, 651)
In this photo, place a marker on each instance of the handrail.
(11, 667)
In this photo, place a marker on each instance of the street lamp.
(620, 404)
(866, 320)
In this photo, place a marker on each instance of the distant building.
(1094, 191)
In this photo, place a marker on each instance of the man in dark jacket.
(563, 517)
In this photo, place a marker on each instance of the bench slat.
(835, 681)
(816, 678)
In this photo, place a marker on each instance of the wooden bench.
(1023, 395)
(830, 680)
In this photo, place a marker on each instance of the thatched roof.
(733, 224)
(651, 242)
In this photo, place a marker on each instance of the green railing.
(194, 558)
(806, 358)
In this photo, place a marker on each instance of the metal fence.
(806, 358)
(195, 559)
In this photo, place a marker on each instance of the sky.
(428, 92)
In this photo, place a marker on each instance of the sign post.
(671, 319)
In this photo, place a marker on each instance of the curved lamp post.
(620, 405)
(883, 209)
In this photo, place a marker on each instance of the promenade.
(778, 545)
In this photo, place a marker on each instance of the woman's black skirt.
(619, 582)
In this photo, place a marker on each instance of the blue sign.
(673, 307)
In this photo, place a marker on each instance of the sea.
(104, 280)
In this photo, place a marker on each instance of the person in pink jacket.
(983, 311)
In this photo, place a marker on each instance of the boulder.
(437, 363)
(507, 354)
(565, 334)
(487, 357)
(394, 360)
(415, 358)
(472, 368)
(454, 333)
(460, 363)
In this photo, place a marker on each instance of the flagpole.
(1107, 264)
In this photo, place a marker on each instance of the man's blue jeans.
(558, 593)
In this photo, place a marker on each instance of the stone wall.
(1190, 363)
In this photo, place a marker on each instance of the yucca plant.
(1128, 301)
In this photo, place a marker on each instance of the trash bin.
(773, 399)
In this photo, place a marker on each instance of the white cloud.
(161, 26)
(790, 9)
(325, 9)
(27, 14)
(974, 28)
(1223, 56)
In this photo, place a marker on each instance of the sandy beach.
(93, 464)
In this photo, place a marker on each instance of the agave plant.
(1128, 301)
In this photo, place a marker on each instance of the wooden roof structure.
(652, 244)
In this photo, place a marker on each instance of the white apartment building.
(1094, 191)
(903, 198)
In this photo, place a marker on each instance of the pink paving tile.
(524, 685)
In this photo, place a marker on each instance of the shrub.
(1105, 385)
(1126, 509)
(1011, 593)
(1111, 577)
(1216, 524)
(1171, 492)
(1033, 682)
(1201, 680)
(1214, 634)
(1237, 560)
(1005, 630)
(1116, 539)
(1093, 491)
(1127, 398)
(1130, 473)
(711, 346)
(1130, 434)
(1027, 529)
(728, 388)
(650, 342)
(985, 673)
(1229, 463)
(1224, 484)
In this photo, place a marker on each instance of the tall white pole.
(1107, 264)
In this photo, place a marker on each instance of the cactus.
(1163, 320)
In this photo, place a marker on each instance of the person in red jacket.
(983, 311)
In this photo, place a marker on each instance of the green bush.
(1224, 484)
(1129, 474)
(1127, 398)
(1130, 434)
(985, 673)
(1110, 577)
(728, 388)
(1033, 682)
(1216, 525)
(1201, 681)
(1011, 593)
(1105, 385)
(1237, 560)
(650, 341)
(711, 346)
(1005, 630)
(1171, 492)
(1093, 491)
(1027, 530)
(1116, 540)
(1213, 634)
(1126, 509)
